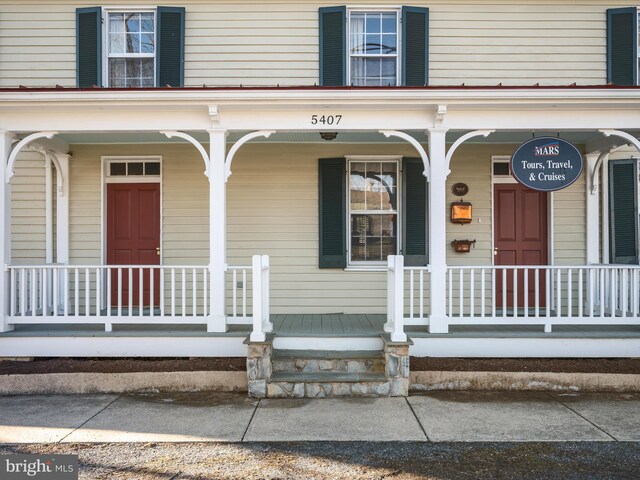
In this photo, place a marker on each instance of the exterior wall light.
(328, 135)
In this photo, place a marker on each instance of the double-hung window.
(373, 48)
(131, 49)
(373, 220)
(377, 47)
(371, 207)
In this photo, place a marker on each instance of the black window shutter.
(414, 186)
(415, 46)
(89, 47)
(332, 225)
(170, 48)
(623, 211)
(333, 45)
(622, 46)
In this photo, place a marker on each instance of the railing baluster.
(55, 279)
(98, 291)
(411, 293)
(548, 289)
(558, 292)
(184, 292)
(162, 299)
(194, 292)
(234, 294)
(152, 290)
(460, 293)
(450, 275)
(43, 292)
(624, 292)
(472, 293)
(120, 291)
(244, 292)
(634, 292)
(613, 285)
(140, 293)
(536, 292)
(173, 292)
(23, 291)
(580, 292)
(87, 292)
(525, 291)
(421, 294)
(504, 292)
(483, 292)
(130, 290)
(205, 292)
(493, 292)
(569, 293)
(515, 291)
(602, 292)
(32, 291)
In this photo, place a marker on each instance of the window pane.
(132, 22)
(116, 43)
(501, 168)
(374, 187)
(133, 43)
(373, 237)
(146, 43)
(388, 44)
(373, 22)
(389, 23)
(357, 186)
(152, 168)
(135, 168)
(147, 22)
(373, 44)
(117, 169)
(388, 180)
(357, 43)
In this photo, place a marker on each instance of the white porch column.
(217, 229)
(437, 230)
(62, 209)
(5, 230)
(592, 211)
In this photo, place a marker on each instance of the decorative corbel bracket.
(461, 140)
(194, 142)
(16, 150)
(236, 146)
(416, 145)
(441, 112)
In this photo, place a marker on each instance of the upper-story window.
(131, 52)
(373, 48)
(130, 48)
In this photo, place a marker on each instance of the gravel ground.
(350, 460)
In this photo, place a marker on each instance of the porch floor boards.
(327, 325)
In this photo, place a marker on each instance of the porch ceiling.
(498, 137)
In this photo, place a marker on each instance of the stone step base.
(318, 361)
(333, 384)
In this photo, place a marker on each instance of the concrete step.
(309, 361)
(321, 377)
(327, 354)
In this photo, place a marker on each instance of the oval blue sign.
(546, 164)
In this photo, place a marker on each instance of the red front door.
(133, 238)
(520, 238)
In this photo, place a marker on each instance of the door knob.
(495, 251)
(158, 251)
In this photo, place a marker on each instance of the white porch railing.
(546, 295)
(515, 295)
(132, 294)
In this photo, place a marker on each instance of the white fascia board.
(325, 96)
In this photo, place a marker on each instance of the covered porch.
(245, 284)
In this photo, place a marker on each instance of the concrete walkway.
(220, 417)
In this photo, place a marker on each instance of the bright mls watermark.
(36, 467)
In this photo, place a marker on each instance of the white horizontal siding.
(262, 43)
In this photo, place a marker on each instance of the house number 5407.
(325, 119)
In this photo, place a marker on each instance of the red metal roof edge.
(59, 88)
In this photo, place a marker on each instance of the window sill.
(373, 268)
